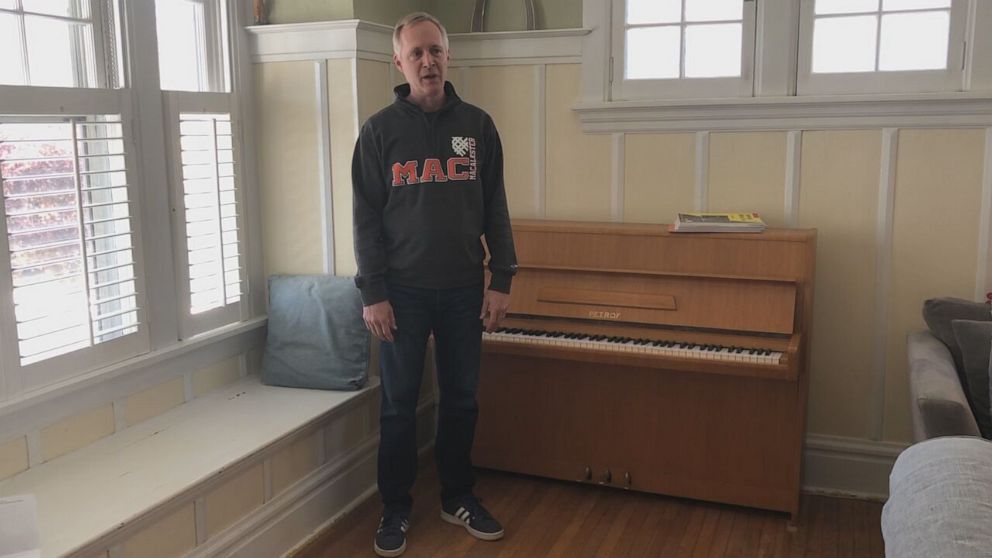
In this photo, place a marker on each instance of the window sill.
(788, 113)
(55, 399)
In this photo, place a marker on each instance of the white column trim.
(617, 179)
(702, 174)
(971, 23)
(324, 164)
(793, 175)
(540, 139)
(267, 479)
(200, 519)
(33, 440)
(883, 276)
(119, 407)
(983, 279)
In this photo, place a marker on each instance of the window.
(79, 185)
(873, 46)
(198, 59)
(57, 43)
(211, 219)
(204, 151)
(209, 255)
(69, 237)
(680, 48)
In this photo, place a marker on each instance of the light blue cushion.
(316, 336)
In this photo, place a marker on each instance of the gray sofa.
(940, 489)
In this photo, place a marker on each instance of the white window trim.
(775, 105)
(23, 378)
(632, 89)
(920, 81)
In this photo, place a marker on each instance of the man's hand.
(380, 320)
(494, 307)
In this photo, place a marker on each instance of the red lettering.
(453, 173)
(405, 174)
(433, 172)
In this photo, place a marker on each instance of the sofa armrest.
(938, 404)
(940, 501)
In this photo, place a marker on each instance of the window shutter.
(213, 246)
(70, 237)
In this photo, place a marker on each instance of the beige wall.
(456, 14)
(508, 16)
(299, 11)
(288, 174)
(554, 171)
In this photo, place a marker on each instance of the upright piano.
(636, 358)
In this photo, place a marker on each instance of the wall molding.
(840, 466)
(788, 113)
(883, 275)
(321, 40)
(793, 176)
(372, 41)
(983, 280)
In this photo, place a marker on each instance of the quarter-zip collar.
(402, 92)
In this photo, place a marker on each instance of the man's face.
(422, 59)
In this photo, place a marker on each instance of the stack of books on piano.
(717, 222)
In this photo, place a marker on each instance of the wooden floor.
(544, 518)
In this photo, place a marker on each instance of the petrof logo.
(602, 315)
(460, 144)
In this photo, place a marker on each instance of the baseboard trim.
(851, 467)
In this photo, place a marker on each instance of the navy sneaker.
(469, 513)
(390, 537)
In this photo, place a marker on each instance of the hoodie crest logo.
(460, 145)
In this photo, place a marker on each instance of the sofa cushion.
(316, 336)
(938, 313)
(975, 340)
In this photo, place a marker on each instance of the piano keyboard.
(631, 345)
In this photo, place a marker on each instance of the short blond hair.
(411, 19)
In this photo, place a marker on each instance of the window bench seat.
(186, 480)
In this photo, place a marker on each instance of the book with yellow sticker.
(717, 222)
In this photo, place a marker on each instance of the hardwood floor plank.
(707, 533)
(690, 536)
(545, 518)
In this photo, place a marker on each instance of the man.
(428, 184)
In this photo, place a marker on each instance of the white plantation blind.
(213, 245)
(69, 234)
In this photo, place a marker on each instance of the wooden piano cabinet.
(718, 438)
(727, 431)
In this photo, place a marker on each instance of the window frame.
(214, 30)
(106, 74)
(683, 87)
(24, 378)
(907, 81)
(176, 103)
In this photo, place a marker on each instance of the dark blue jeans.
(452, 315)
